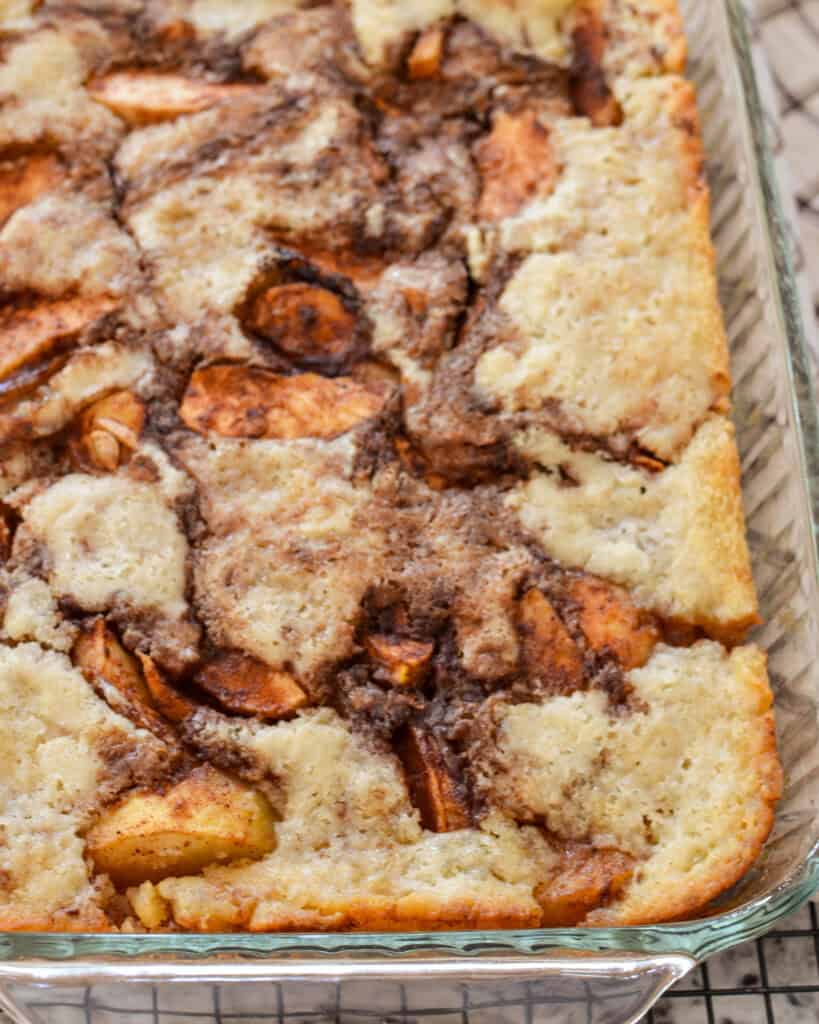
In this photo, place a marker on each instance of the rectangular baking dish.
(596, 975)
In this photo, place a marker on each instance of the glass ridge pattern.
(773, 401)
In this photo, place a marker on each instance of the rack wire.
(774, 980)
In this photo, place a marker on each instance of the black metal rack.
(774, 980)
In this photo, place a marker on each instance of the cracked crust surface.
(593, 308)
(373, 551)
(652, 532)
(56, 763)
(636, 785)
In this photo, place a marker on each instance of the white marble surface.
(788, 34)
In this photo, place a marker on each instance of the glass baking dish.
(597, 975)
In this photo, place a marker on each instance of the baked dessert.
(373, 546)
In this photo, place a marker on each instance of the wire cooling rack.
(774, 980)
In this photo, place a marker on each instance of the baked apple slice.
(425, 57)
(612, 623)
(207, 818)
(103, 661)
(24, 179)
(548, 649)
(516, 164)
(168, 702)
(305, 321)
(246, 401)
(250, 687)
(5, 538)
(100, 656)
(586, 879)
(148, 905)
(589, 91)
(33, 333)
(109, 430)
(146, 97)
(405, 660)
(432, 788)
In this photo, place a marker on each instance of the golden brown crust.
(684, 554)
(612, 369)
(670, 751)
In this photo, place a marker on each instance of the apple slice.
(32, 333)
(612, 622)
(146, 97)
(148, 905)
(5, 538)
(516, 164)
(305, 321)
(109, 430)
(104, 662)
(250, 687)
(548, 649)
(405, 661)
(206, 818)
(24, 179)
(424, 60)
(432, 788)
(168, 702)
(100, 656)
(588, 88)
(245, 401)
(586, 879)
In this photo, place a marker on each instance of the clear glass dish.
(599, 975)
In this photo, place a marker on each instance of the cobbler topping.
(363, 492)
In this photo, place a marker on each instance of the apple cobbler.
(373, 554)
